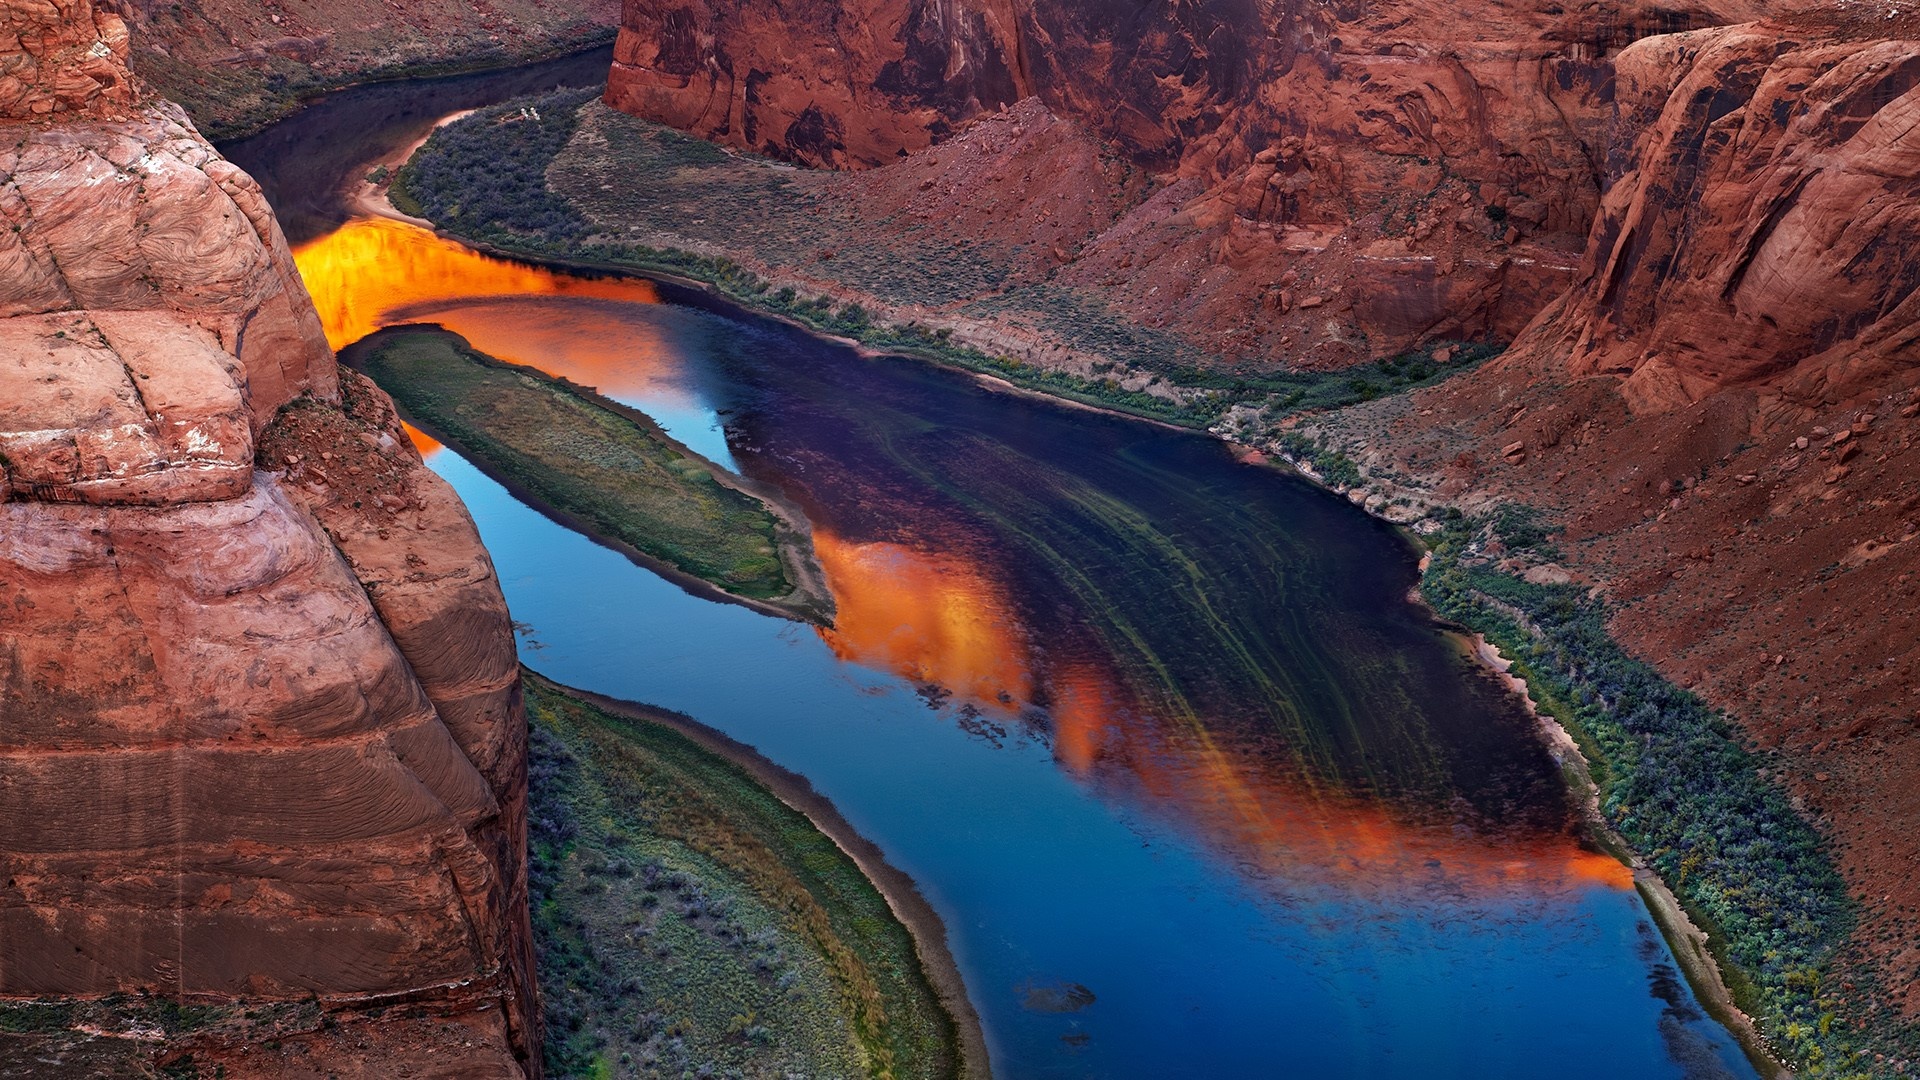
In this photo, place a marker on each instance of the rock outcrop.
(834, 84)
(260, 731)
(1724, 410)
(1426, 173)
(1760, 222)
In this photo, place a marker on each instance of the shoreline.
(729, 304)
(901, 893)
(449, 67)
(1684, 939)
(375, 201)
(814, 603)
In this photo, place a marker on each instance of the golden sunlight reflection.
(371, 267)
(927, 618)
(939, 618)
(423, 442)
(937, 614)
(624, 355)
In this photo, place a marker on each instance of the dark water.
(1198, 791)
(303, 163)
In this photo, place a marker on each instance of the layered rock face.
(1724, 409)
(260, 729)
(833, 84)
(1761, 219)
(1422, 172)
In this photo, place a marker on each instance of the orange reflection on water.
(941, 618)
(371, 267)
(934, 613)
(928, 618)
(423, 442)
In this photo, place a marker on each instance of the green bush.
(1677, 784)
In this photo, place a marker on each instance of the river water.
(1196, 788)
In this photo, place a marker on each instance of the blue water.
(1287, 833)
(1196, 969)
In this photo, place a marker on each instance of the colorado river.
(1196, 788)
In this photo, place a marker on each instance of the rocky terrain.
(235, 64)
(264, 747)
(1694, 223)
(1722, 413)
(1337, 182)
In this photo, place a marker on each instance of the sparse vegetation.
(1677, 783)
(231, 102)
(1332, 467)
(690, 923)
(529, 178)
(615, 471)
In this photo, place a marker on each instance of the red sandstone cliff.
(1725, 410)
(260, 726)
(1421, 171)
(835, 84)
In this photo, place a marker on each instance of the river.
(1197, 789)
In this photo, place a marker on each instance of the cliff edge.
(263, 746)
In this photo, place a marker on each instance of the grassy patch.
(690, 923)
(1332, 467)
(615, 471)
(1677, 783)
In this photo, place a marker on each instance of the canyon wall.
(1343, 180)
(1724, 409)
(839, 85)
(260, 726)
(1760, 221)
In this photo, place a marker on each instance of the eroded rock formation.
(260, 731)
(1723, 409)
(1422, 171)
(1761, 219)
(835, 84)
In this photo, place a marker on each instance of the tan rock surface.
(260, 742)
(64, 58)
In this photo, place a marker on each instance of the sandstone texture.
(835, 84)
(1724, 409)
(1426, 172)
(260, 730)
(63, 58)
